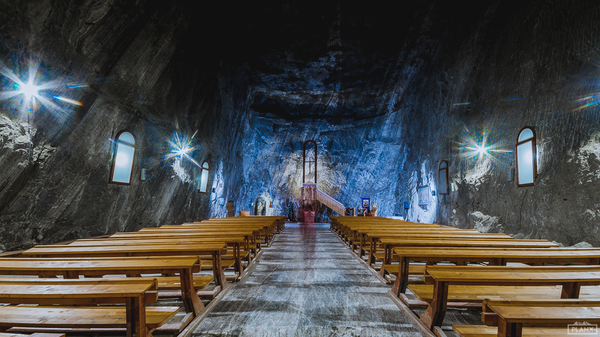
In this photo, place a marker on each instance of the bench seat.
(174, 282)
(225, 264)
(413, 269)
(78, 317)
(492, 331)
(37, 334)
(476, 294)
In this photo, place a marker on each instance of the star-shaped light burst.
(29, 90)
(181, 147)
(471, 148)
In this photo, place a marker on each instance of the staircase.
(328, 201)
(310, 193)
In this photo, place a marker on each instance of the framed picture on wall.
(423, 195)
(365, 202)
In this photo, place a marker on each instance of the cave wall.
(385, 94)
(128, 64)
(458, 78)
(533, 67)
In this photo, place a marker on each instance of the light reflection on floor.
(307, 284)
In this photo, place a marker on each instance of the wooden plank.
(78, 317)
(492, 331)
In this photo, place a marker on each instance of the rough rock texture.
(386, 94)
(385, 114)
(128, 63)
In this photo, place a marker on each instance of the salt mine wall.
(534, 67)
(455, 83)
(126, 64)
(386, 95)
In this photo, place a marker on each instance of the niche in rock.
(260, 206)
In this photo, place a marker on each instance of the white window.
(443, 177)
(203, 178)
(123, 159)
(526, 158)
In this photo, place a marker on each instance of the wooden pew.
(135, 316)
(265, 230)
(73, 268)
(36, 334)
(235, 241)
(390, 243)
(214, 249)
(250, 240)
(494, 256)
(485, 281)
(536, 318)
(373, 237)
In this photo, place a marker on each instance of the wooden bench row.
(74, 301)
(530, 300)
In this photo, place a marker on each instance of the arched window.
(443, 177)
(203, 178)
(122, 165)
(526, 157)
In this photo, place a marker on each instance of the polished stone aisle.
(307, 284)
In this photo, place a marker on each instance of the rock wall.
(533, 67)
(128, 64)
(386, 94)
(457, 81)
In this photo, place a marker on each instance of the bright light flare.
(68, 100)
(181, 147)
(29, 90)
(586, 102)
(471, 148)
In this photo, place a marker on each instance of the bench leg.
(136, 317)
(191, 301)
(434, 315)
(218, 272)
(570, 290)
(238, 259)
(509, 329)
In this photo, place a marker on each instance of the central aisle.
(307, 284)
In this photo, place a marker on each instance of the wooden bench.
(72, 268)
(82, 317)
(512, 316)
(494, 256)
(371, 239)
(236, 254)
(491, 331)
(472, 284)
(37, 334)
(138, 319)
(214, 249)
(390, 243)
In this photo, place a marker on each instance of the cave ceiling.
(327, 60)
(301, 60)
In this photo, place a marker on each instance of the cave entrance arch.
(311, 160)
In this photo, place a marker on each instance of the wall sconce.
(143, 175)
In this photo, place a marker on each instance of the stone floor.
(307, 284)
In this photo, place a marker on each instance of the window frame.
(202, 169)
(533, 152)
(445, 169)
(114, 158)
